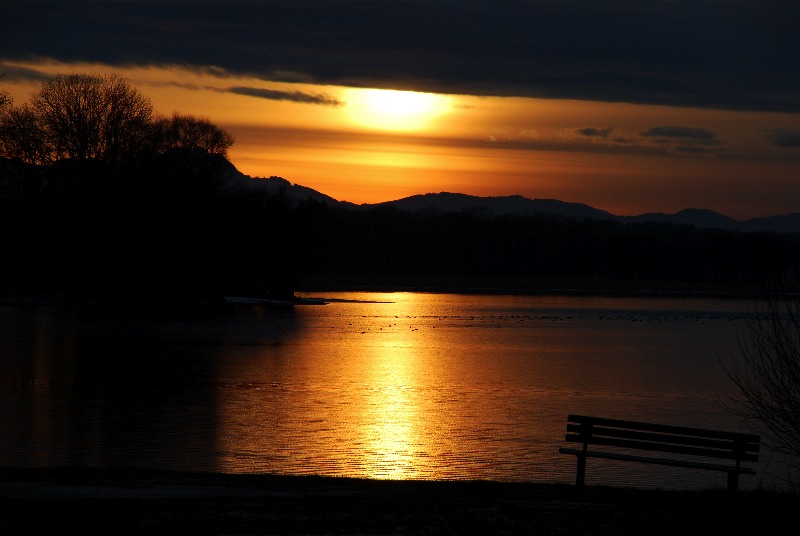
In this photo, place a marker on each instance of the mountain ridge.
(232, 180)
(518, 204)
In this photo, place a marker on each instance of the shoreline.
(308, 284)
(147, 501)
(499, 291)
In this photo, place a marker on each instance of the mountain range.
(501, 205)
(517, 204)
(230, 179)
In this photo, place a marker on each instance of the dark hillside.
(188, 225)
(469, 246)
(175, 228)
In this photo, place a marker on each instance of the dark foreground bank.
(156, 502)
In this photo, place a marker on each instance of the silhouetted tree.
(21, 136)
(187, 132)
(5, 100)
(82, 116)
(766, 372)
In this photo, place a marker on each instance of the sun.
(389, 109)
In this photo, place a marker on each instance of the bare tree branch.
(766, 372)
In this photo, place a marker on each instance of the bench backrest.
(663, 438)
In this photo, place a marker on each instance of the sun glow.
(395, 110)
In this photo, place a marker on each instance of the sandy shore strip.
(139, 501)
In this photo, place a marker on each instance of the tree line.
(98, 117)
(542, 251)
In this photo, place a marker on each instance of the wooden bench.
(619, 438)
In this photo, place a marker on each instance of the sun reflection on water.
(391, 413)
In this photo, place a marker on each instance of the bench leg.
(733, 481)
(580, 474)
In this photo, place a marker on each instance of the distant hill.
(788, 223)
(517, 204)
(691, 216)
(294, 194)
(232, 181)
(512, 204)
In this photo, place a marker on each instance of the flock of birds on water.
(503, 320)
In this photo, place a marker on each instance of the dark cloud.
(786, 137)
(681, 133)
(686, 140)
(593, 132)
(697, 150)
(294, 96)
(14, 73)
(730, 55)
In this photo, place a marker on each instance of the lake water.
(377, 385)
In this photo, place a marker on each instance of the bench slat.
(722, 444)
(662, 447)
(665, 428)
(660, 461)
(665, 447)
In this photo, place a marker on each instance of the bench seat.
(659, 461)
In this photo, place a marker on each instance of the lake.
(406, 385)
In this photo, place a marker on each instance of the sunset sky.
(630, 107)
